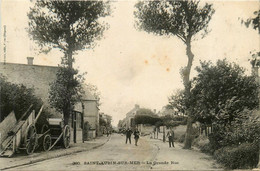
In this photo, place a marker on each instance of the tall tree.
(68, 25)
(183, 19)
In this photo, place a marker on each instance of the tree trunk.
(257, 79)
(66, 115)
(188, 135)
(186, 80)
(163, 133)
(70, 59)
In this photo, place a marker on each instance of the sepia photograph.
(129, 85)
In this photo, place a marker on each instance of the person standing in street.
(136, 134)
(170, 136)
(107, 133)
(128, 135)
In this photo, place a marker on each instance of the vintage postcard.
(129, 85)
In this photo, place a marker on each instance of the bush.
(207, 148)
(244, 129)
(244, 156)
(18, 98)
(200, 141)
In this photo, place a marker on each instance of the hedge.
(244, 156)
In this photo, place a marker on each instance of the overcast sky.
(130, 66)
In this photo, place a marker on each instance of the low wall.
(178, 132)
(145, 129)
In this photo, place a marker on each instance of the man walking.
(136, 134)
(170, 136)
(128, 135)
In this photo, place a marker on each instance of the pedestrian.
(170, 136)
(128, 135)
(136, 134)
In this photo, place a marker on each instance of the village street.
(116, 155)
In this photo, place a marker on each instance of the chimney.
(154, 111)
(137, 106)
(30, 60)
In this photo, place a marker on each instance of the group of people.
(129, 132)
(136, 133)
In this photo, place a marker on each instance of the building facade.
(39, 78)
(89, 107)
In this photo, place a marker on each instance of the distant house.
(128, 121)
(39, 78)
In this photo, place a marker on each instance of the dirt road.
(116, 155)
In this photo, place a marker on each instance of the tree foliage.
(105, 122)
(65, 91)
(254, 21)
(177, 102)
(144, 111)
(102, 122)
(145, 116)
(173, 121)
(67, 25)
(93, 89)
(18, 98)
(146, 119)
(183, 19)
(221, 91)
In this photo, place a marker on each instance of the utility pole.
(4, 44)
